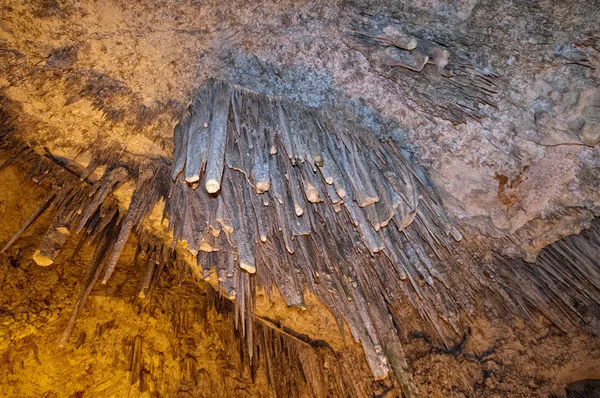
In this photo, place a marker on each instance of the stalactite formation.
(270, 193)
(301, 206)
(454, 86)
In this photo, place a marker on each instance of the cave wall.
(178, 338)
(182, 341)
(507, 133)
(115, 71)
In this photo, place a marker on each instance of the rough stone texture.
(188, 345)
(523, 166)
(117, 71)
(178, 341)
(186, 338)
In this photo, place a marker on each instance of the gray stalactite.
(370, 232)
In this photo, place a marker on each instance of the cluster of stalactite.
(301, 199)
(269, 193)
(82, 206)
(453, 87)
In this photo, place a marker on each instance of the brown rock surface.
(501, 112)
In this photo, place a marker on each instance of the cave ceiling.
(383, 162)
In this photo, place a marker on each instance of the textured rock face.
(189, 349)
(523, 88)
(176, 339)
(497, 103)
(181, 342)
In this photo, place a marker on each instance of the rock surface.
(498, 103)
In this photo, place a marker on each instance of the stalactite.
(303, 200)
(136, 209)
(397, 49)
(53, 240)
(44, 204)
(93, 274)
(394, 213)
(218, 138)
